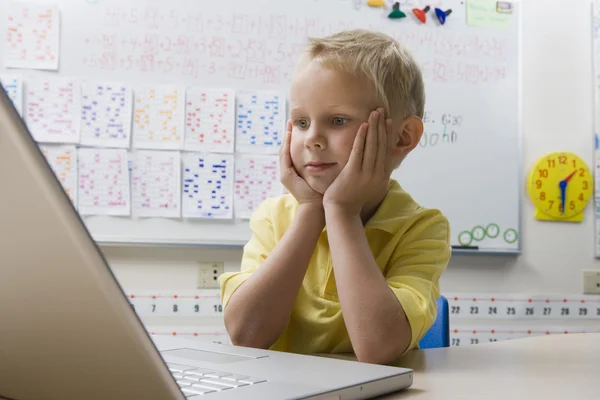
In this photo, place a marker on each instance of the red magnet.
(421, 14)
(441, 15)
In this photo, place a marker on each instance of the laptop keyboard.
(195, 381)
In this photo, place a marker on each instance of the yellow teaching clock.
(560, 186)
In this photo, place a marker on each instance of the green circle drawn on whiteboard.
(490, 226)
(465, 241)
(478, 233)
(508, 231)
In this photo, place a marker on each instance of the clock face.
(560, 185)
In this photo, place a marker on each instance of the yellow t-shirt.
(411, 245)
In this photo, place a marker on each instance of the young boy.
(347, 262)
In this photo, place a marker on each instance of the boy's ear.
(408, 135)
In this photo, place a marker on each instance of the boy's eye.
(339, 121)
(302, 123)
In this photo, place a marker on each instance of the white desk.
(561, 367)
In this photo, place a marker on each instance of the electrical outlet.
(208, 273)
(591, 281)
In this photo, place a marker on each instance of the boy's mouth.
(318, 166)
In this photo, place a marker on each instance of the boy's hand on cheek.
(368, 167)
(296, 185)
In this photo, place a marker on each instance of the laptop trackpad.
(205, 356)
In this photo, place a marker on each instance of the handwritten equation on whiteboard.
(210, 115)
(53, 110)
(156, 184)
(63, 161)
(32, 36)
(256, 179)
(159, 117)
(13, 86)
(260, 121)
(207, 185)
(262, 48)
(106, 114)
(103, 182)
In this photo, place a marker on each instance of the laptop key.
(234, 377)
(206, 385)
(185, 382)
(199, 371)
(196, 390)
(216, 374)
(178, 368)
(194, 378)
(252, 381)
(217, 381)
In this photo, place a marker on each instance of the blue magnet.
(441, 15)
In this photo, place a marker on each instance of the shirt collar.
(395, 206)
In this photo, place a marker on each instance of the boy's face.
(327, 108)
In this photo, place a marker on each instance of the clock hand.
(563, 188)
(563, 195)
(568, 178)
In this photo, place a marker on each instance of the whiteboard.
(468, 163)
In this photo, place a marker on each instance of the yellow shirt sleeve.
(256, 250)
(415, 269)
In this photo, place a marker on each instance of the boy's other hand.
(296, 185)
(368, 169)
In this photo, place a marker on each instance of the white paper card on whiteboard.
(210, 119)
(53, 110)
(260, 123)
(106, 112)
(256, 179)
(156, 184)
(104, 182)
(32, 36)
(13, 86)
(207, 185)
(63, 160)
(159, 117)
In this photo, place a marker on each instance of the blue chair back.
(439, 333)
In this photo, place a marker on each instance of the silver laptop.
(67, 331)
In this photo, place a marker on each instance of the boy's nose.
(314, 140)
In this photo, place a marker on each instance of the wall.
(557, 115)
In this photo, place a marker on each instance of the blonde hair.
(385, 63)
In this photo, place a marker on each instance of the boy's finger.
(356, 155)
(390, 145)
(370, 155)
(382, 132)
(285, 156)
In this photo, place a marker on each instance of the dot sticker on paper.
(159, 117)
(106, 114)
(260, 123)
(207, 185)
(256, 179)
(210, 118)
